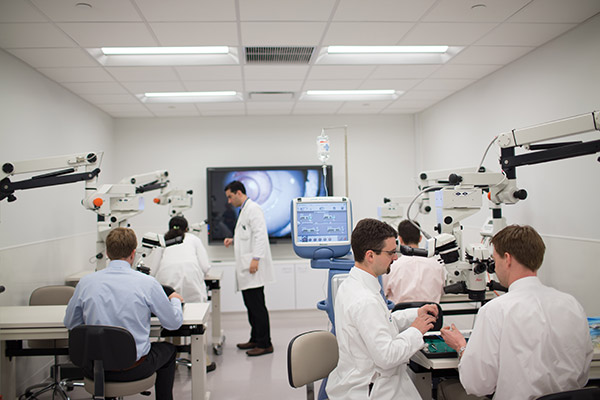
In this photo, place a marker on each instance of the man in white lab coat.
(374, 344)
(532, 341)
(254, 266)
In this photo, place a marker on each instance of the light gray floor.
(241, 377)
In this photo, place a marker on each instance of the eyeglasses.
(390, 253)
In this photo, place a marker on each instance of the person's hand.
(428, 309)
(453, 337)
(424, 322)
(176, 295)
(253, 266)
(227, 242)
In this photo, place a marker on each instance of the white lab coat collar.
(525, 283)
(371, 282)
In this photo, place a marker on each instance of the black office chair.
(439, 323)
(588, 393)
(100, 348)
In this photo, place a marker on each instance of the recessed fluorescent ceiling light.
(165, 56)
(389, 55)
(352, 95)
(385, 49)
(111, 51)
(190, 97)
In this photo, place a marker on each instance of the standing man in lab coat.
(374, 344)
(254, 266)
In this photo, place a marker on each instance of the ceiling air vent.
(278, 55)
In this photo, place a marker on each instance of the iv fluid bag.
(323, 148)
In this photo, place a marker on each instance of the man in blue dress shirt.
(121, 296)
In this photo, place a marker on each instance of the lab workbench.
(18, 323)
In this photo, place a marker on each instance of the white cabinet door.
(231, 300)
(311, 285)
(281, 294)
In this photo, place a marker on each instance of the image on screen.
(322, 222)
(273, 188)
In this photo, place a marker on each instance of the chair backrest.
(589, 393)
(51, 295)
(56, 295)
(311, 356)
(417, 304)
(113, 345)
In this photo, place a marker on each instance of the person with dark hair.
(183, 266)
(121, 296)
(375, 345)
(254, 266)
(414, 278)
(532, 341)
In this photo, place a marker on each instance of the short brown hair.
(369, 234)
(120, 243)
(521, 242)
(409, 232)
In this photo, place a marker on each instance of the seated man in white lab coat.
(532, 341)
(374, 345)
(414, 278)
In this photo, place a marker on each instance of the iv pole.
(345, 128)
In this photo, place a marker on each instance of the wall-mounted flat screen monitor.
(273, 188)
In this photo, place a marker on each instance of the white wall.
(380, 157)
(556, 81)
(41, 232)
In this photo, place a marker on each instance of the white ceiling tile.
(197, 73)
(463, 11)
(396, 84)
(187, 10)
(222, 106)
(95, 87)
(100, 10)
(142, 74)
(108, 34)
(33, 35)
(426, 94)
(560, 11)
(446, 33)
(342, 72)
(139, 113)
(19, 11)
(40, 58)
(196, 33)
(317, 107)
(279, 72)
(381, 10)
(273, 86)
(153, 86)
(490, 54)
(281, 33)
(366, 33)
(285, 10)
(221, 113)
(269, 108)
(397, 111)
(416, 103)
(454, 71)
(338, 84)
(444, 84)
(518, 34)
(208, 86)
(111, 98)
(367, 107)
(173, 110)
(403, 71)
(90, 74)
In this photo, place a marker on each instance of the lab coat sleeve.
(74, 312)
(404, 318)
(479, 365)
(201, 255)
(386, 349)
(260, 237)
(169, 312)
